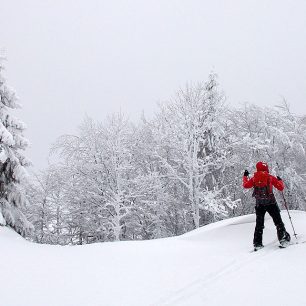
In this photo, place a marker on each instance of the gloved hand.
(246, 173)
(278, 178)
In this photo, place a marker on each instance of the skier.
(263, 183)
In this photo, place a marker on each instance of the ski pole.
(285, 203)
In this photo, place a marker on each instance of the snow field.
(209, 266)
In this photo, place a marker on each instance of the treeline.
(117, 180)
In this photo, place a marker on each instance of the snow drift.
(213, 265)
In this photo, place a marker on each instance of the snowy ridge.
(209, 266)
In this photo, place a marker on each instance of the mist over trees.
(118, 180)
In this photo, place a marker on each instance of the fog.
(66, 59)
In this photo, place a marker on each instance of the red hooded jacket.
(274, 182)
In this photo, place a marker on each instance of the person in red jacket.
(263, 183)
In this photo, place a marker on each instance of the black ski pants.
(274, 212)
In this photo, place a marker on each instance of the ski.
(284, 244)
(291, 243)
(256, 249)
(283, 247)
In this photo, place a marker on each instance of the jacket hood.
(262, 166)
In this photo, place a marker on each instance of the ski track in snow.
(202, 284)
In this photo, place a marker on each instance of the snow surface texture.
(210, 266)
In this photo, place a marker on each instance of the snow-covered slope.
(209, 266)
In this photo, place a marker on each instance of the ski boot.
(258, 247)
(285, 241)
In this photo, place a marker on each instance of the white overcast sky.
(67, 58)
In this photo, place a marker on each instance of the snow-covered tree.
(47, 209)
(273, 135)
(12, 160)
(287, 153)
(99, 159)
(151, 197)
(193, 147)
(84, 196)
